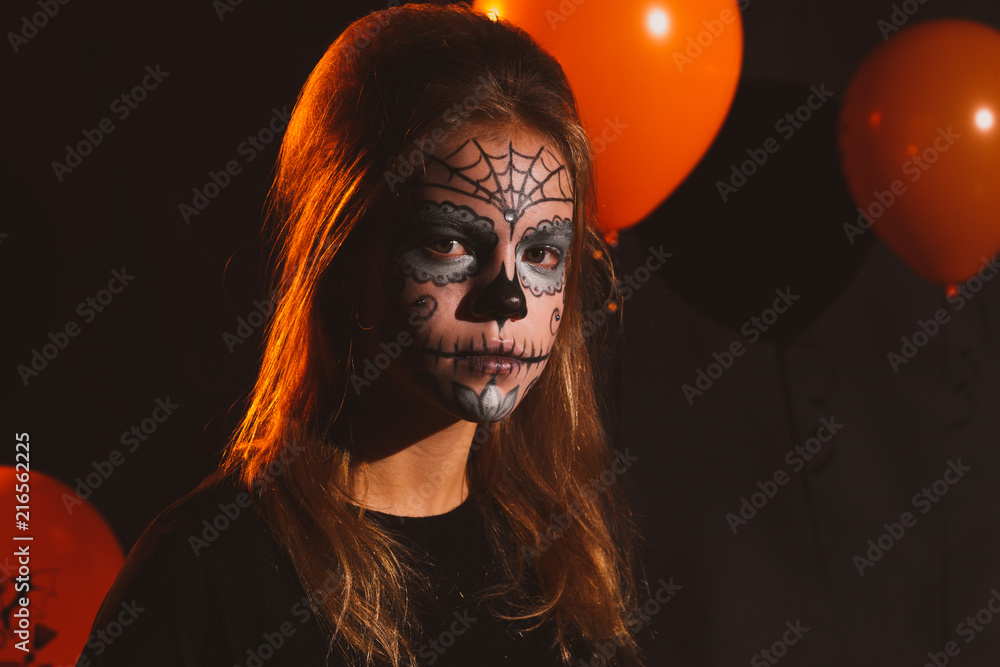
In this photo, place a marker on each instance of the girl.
(421, 476)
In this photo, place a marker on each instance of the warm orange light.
(951, 290)
(493, 11)
(657, 22)
(874, 118)
(984, 119)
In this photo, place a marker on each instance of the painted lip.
(491, 364)
(494, 357)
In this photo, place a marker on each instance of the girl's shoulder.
(206, 584)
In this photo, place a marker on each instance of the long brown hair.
(361, 125)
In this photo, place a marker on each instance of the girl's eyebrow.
(548, 230)
(555, 229)
(460, 218)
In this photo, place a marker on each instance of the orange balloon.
(73, 558)
(920, 146)
(653, 79)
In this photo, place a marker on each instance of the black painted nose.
(502, 299)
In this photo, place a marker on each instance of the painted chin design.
(489, 405)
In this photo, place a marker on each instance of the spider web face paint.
(511, 182)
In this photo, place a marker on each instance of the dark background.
(163, 336)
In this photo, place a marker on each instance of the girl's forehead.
(506, 178)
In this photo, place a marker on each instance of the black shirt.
(207, 585)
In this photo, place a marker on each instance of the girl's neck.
(414, 454)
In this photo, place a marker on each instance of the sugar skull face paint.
(479, 270)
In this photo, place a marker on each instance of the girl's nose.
(501, 300)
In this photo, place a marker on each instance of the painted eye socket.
(448, 247)
(545, 256)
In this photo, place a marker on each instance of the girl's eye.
(447, 247)
(545, 257)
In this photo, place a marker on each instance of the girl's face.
(476, 272)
